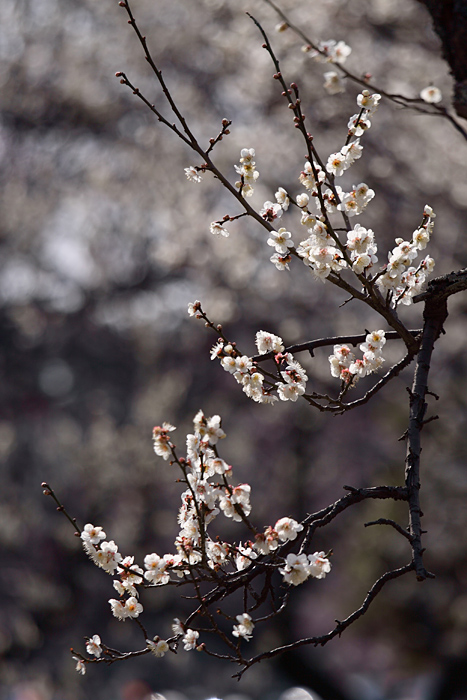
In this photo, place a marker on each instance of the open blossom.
(177, 627)
(161, 440)
(217, 229)
(271, 211)
(296, 570)
(107, 557)
(80, 665)
(287, 529)
(122, 609)
(281, 240)
(93, 646)
(307, 177)
(281, 261)
(333, 83)
(247, 171)
(156, 569)
(336, 164)
(208, 428)
(190, 640)
(359, 123)
(158, 647)
(332, 51)
(431, 94)
(239, 497)
(340, 360)
(244, 557)
(92, 534)
(193, 174)
(368, 101)
(245, 627)
(318, 565)
(266, 542)
(268, 342)
(355, 201)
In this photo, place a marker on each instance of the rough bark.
(450, 23)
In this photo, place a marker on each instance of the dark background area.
(103, 244)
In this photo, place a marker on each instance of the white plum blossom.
(193, 308)
(287, 529)
(92, 534)
(280, 261)
(296, 570)
(295, 379)
(268, 342)
(177, 627)
(302, 200)
(247, 171)
(318, 565)
(245, 627)
(190, 640)
(401, 280)
(333, 83)
(281, 240)
(156, 569)
(431, 94)
(336, 164)
(267, 542)
(158, 647)
(362, 247)
(217, 229)
(161, 440)
(130, 572)
(80, 665)
(244, 557)
(93, 646)
(238, 499)
(271, 211)
(217, 553)
(332, 51)
(307, 176)
(358, 124)
(355, 201)
(282, 198)
(125, 588)
(368, 101)
(193, 174)
(107, 557)
(348, 369)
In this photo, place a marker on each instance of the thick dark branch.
(311, 345)
(440, 288)
(450, 24)
(435, 314)
(392, 523)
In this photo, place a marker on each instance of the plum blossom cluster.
(299, 567)
(362, 248)
(401, 280)
(292, 375)
(319, 251)
(208, 493)
(330, 51)
(346, 367)
(247, 171)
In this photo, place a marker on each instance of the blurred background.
(103, 244)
